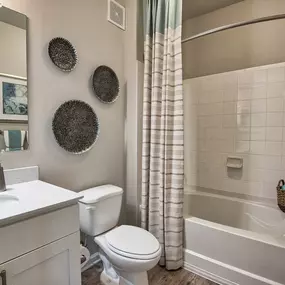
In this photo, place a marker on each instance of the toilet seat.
(133, 242)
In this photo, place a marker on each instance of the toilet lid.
(132, 241)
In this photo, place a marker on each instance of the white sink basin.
(7, 201)
(28, 199)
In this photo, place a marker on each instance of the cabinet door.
(55, 264)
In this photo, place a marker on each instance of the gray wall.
(97, 42)
(141, 18)
(239, 48)
(134, 88)
(12, 50)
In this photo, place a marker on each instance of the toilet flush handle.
(91, 208)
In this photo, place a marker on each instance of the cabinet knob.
(3, 277)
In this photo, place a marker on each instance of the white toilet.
(127, 252)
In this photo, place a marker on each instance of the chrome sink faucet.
(2, 179)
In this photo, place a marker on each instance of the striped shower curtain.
(163, 175)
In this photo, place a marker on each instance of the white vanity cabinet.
(43, 250)
(50, 264)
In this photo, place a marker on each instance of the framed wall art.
(13, 98)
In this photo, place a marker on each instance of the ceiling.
(195, 8)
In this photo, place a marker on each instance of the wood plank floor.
(156, 276)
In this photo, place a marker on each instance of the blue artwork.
(15, 99)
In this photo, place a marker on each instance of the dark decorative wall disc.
(105, 84)
(63, 54)
(75, 126)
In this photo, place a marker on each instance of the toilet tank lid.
(95, 194)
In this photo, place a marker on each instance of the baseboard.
(221, 273)
(94, 259)
(207, 275)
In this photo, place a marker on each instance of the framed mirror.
(13, 81)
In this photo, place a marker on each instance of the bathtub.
(234, 241)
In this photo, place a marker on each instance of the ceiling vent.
(117, 14)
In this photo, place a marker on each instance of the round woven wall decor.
(63, 54)
(75, 126)
(105, 84)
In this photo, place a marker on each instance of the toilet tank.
(99, 209)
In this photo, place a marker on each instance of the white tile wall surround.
(256, 175)
(211, 109)
(283, 131)
(230, 95)
(257, 133)
(274, 134)
(258, 120)
(239, 113)
(276, 90)
(260, 76)
(283, 149)
(283, 162)
(243, 107)
(259, 92)
(259, 105)
(283, 120)
(272, 175)
(229, 108)
(273, 162)
(267, 191)
(276, 74)
(274, 120)
(243, 120)
(244, 93)
(243, 134)
(242, 146)
(229, 121)
(257, 147)
(256, 161)
(275, 105)
(245, 77)
(230, 80)
(273, 148)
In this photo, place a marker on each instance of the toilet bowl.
(127, 252)
(132, 251)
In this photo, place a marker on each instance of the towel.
(14, 139)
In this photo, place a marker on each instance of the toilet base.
(107, 280)
(114, 276)
(137, 278)
(125, 279)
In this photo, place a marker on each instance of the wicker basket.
(281, 195)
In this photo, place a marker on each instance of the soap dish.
(234, 162)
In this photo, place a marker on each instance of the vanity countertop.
(29, 199)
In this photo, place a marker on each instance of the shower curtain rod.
(235, 25)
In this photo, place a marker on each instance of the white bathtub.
(234, 241)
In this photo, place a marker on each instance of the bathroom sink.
(7, 201)
(25, 200)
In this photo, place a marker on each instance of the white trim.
(13, 76)
(221, 273)
(207, 275)
(123, 27)
(234, 25)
